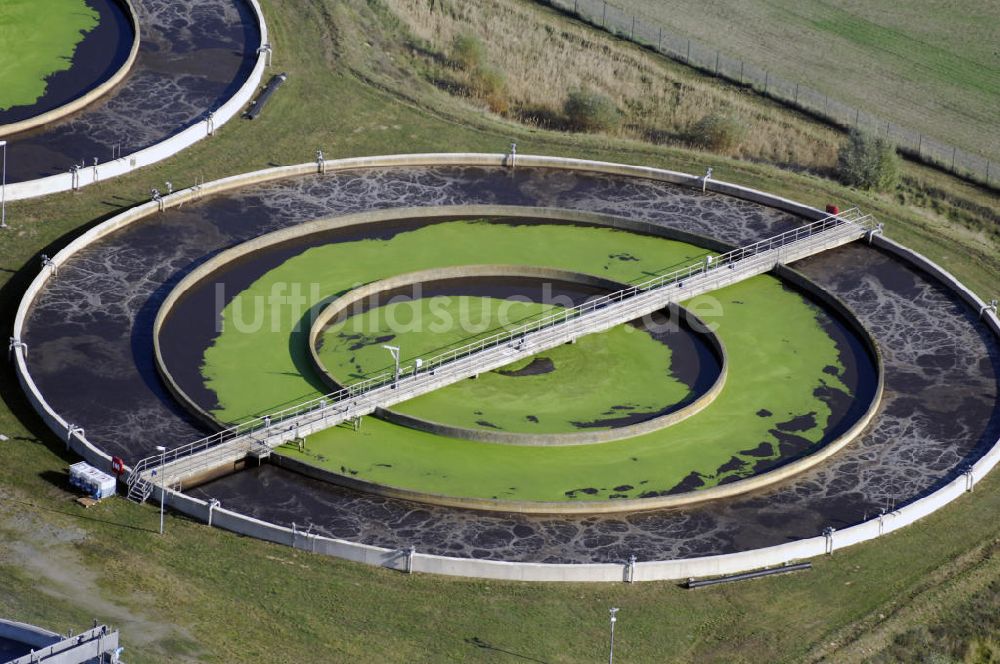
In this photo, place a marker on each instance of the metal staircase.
(139, 489)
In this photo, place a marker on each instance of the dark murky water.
(91, 355)
(11, 650)
(193, 56)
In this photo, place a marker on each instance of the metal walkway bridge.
(221, 452)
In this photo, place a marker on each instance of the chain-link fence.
(692, 52)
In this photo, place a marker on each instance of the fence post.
(741, 72)
(987, 171)
(920, 144)
(857, 117)
(633, 29)
(716, 63)
(576, 7)
(659, 41)
(954, 151)
(689, 52)
(796, 94)
(604, 16)
(212, 504)
(765, 82)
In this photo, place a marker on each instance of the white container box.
(92, 481)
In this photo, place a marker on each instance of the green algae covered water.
(782, 364)
(38, 40)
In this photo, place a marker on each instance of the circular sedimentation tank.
(95, 120)
(562, 387)
(939, 360)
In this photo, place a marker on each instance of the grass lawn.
(198, 595)
(194, 594)
(36, 42)
(931, 66)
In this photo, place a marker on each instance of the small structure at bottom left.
(94, 483)
(21, 643)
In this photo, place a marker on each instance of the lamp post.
(3, 188)
(394, 351)
(163, 459)
(611, 658)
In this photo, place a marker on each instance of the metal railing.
(536, 334)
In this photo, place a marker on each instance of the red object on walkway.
(832, 209)
(117, 465)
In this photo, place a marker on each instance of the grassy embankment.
(931, 66)
(540, 59)
(37, 41)
(541, 56)
(195, 594)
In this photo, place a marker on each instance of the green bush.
(587, 110)
(468, 52)
(868, 162)
(490, 85)
(718, 133)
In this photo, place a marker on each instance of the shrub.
(467, 52)
(490, 85)
(718, 133)
(587, 110)
(868, 162)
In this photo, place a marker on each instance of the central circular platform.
(610, 386)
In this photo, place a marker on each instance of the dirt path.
(42, 545)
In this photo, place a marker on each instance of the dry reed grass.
(544, 57)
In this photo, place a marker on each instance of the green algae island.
(536, 395)
(36, 41)
(744, 426)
